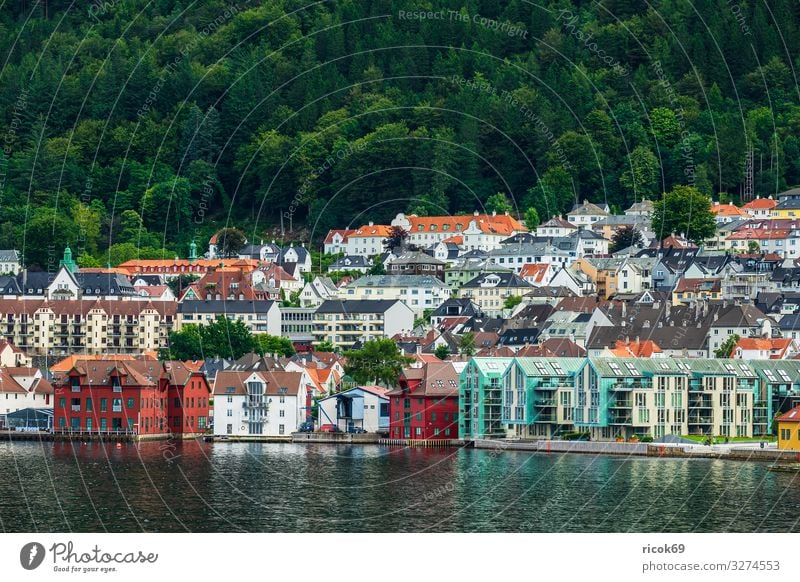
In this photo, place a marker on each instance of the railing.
(545, 402)
(76, 408)
(105, 432)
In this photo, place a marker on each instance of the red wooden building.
(140, 397)
(425, 405)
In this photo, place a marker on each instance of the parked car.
(329, 428)
(357, 430)
(307, 426)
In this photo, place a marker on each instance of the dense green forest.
(132, 126)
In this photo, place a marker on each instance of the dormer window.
(115, 384)
(75, 384)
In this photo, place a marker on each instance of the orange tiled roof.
(635, 349)
(776, 346)
(373, 230)
(536, 271)
(174, 265)
(456, 240)
(761, 204)
(728, 210)
(490, 224)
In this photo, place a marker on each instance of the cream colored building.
(419, 292)
(64, 327)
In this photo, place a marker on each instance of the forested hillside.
(132, 125)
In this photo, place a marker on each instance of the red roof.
(456, 240)
(792, 416)
(635, 349)
(759, 234)
(344, 232)
(697, 285)
(373, 230)
(775, 346)
(728, 210)
(761, 204)
(491, 224)
(534, 271)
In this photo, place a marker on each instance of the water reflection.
(195, 486)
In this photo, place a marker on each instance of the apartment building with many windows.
(610, 398)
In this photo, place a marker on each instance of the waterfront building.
(608, 398)
(480, 398)
(142, 397)
(23, 388)
(259, 404)
(345, 322)
(362, 407)
(789, 430)
(425, 404)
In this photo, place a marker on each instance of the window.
(104, 405)
(281, 413)
(88, 405)
(418, 416)
(131, 403)
(62, 402)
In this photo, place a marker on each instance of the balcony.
(545, 402)
(549, 418)
(701, 420)
(621, 420)
(76, 407)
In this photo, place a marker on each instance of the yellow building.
(789, 430)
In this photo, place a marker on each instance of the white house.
(317, 291)
(297, 255)
(556, 226)
(367, 241)
(9, 262)
(259, 404)
(477, 231)
(365, 407)
(419, 292)
(22, 388)
(336, 241)
(586, 214)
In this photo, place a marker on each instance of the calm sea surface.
(340, 488)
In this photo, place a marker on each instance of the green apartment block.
(621, 397)
(480, 398)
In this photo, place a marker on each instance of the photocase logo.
(32, 555)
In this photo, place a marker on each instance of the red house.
(134, 397)
(425, 405)
(188, 393)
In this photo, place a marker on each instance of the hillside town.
(589, 325)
